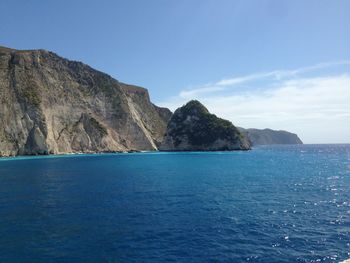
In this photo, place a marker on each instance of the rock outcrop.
(193, 128)
(51, 105)
(270, 137)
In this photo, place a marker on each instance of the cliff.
(269, 137)
(51, 105)
(193, 128)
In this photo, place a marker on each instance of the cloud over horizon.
(312, 103)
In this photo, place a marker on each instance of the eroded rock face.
(193, 128)
(49, 104)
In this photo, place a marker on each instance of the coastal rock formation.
(193, 128)
(51, 105)
(269, 137)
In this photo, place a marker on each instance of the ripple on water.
(273, 204)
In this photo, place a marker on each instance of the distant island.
(51, 105)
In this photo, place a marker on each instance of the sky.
(261, 64)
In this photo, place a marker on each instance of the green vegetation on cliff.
(102, 130)
(206, 127)
(193, 126)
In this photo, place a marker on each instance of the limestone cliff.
(51, 105)
(270, 137)
(193, 128)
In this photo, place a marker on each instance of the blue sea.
(271, 204)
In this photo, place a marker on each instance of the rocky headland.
(52, 105)
(270, 137)
(193, 128)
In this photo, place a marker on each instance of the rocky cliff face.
(52, 105)
(269, 137)
(193, 128)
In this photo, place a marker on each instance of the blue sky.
(183, 49)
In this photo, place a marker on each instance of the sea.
(271, 204)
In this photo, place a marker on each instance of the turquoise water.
(271, 204)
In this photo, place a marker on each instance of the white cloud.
(276, 75)
(202, 90)
(316, 108)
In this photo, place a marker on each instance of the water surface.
(272, 204)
